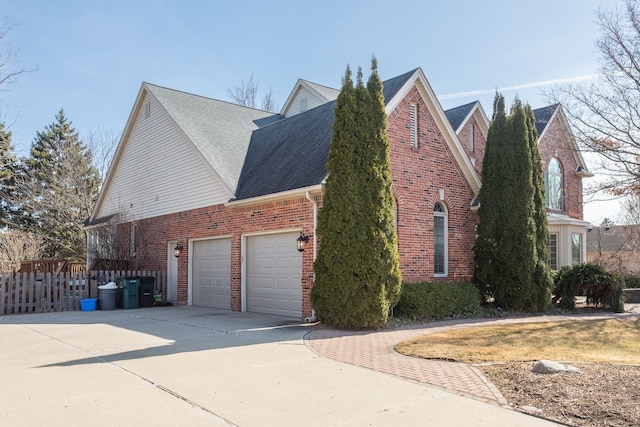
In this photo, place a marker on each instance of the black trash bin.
(147, 285)
(107, 298)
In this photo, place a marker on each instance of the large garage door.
(274, 274)
(212, 273)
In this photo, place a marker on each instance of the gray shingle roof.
(292, 153)
(329, 93)
(457, 114)
(219, 130)
(614, 239)
(543, 115)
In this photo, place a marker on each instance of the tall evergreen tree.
(542, 276)
(7, 168)
(510, 250)
(60, 188)
(357, 268)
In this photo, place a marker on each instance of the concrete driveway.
(169, 366)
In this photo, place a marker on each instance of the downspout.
(312, 318)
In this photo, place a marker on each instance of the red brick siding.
(418, 175)
(218, 221)
(557, 142)
(479, 143)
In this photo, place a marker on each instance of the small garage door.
(274, 275)
(212, 273)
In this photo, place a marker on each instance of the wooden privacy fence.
(45, 292)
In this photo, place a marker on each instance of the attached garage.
(212, 273)
(274, 275)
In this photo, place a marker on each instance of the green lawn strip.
(601, 340)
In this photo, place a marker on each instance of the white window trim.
(444, 215)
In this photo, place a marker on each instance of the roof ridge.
(208, 98)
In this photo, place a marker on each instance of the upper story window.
(553, 185)
(471, 147)
(440, 240)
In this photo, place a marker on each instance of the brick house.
(217, 194)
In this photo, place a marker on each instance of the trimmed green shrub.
(419, 301)
(632, 281)
(600, 287)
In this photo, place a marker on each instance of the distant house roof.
(219, 130)
(293, 152)
(611, 239)
(457, 115)
(543, 117)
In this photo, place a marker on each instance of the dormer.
(471, 125)
(305, 96)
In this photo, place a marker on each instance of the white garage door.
(212, 273)
(274, 275)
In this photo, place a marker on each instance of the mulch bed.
(599, 395)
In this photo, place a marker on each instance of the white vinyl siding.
(298, 102)
(160, 171)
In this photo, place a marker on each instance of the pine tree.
(542, 276)
(357, 268)
(60, 189)
(7, 168)
(512, 250)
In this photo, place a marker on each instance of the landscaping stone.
(550, 367)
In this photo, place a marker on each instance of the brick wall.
(557, 142)
(479, 143)
(216, 221)
(418, 176)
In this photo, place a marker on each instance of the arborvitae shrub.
(419, 301)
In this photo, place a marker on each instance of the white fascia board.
(283, 195)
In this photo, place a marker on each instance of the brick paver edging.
(375, 350)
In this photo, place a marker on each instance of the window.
(413, 124)
(303, 105)
(147, 109)
(133, 242)
(440, 240)
(553, 185)
(471, 148)
(576, 248)
(553, 251)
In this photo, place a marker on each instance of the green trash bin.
(129, 291)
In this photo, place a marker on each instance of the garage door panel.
(212, 273)
(274, 274)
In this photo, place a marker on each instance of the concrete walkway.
(168, 366)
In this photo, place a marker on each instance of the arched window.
(440, 257)
(553, 185)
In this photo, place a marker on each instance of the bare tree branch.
(605, 112)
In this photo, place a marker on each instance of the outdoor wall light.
(177, 250)
(302, 241)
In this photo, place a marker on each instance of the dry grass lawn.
(604, 393)
(602, 340)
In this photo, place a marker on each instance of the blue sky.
(92, 56)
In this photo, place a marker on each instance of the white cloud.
(545, 83)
